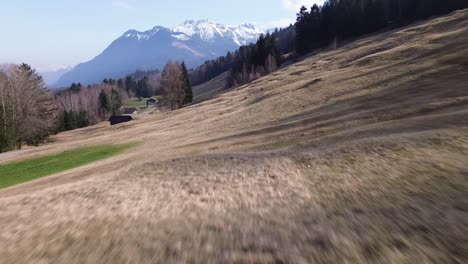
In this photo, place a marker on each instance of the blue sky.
(49, 34)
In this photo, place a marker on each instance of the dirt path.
(12, 154)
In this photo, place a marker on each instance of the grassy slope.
(355, 155)
(211, 88)
(22, 171)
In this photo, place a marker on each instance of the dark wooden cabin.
(114, 120)
(151, 102)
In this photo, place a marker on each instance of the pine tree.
(187, 85)
(120, 84)
(67, 121)
(130, 85)
(143, 88)
(115, 102)
(104, 104)
(75, 87)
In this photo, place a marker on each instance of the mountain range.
(51, 77)
(192, 42)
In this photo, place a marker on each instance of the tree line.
(80, 106)
(173, 84)
(249, 61)
(30, 113)
(338, 20)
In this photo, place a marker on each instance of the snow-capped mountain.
(210, 31)
(193, 42)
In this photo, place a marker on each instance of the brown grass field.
(355, 155)
(211, 88)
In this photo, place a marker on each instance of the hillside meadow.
(355, 155)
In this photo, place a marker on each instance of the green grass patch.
(23, 171)
(133, 102)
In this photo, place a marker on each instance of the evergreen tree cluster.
(248, 61)
(187, 84)
(211, 68)
(87, 107)
(70, 120)
(285, 40)
(255, 60)
(75, 87)
(136, 87)
(137, 84)
(110, 103)
(83, 106)
(343, 19)
(139, 74)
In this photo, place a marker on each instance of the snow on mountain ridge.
(135, 34)
(206, 30)
(209, 30)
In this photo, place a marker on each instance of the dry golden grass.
(211, 88)
(357, 155)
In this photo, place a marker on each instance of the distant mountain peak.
(203, 29)
(209, 30)
(193, 41)
(145, 35)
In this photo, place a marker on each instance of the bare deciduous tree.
(87, 100)
(28, 112)
(172, 85)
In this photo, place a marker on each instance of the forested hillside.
(316, 27)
